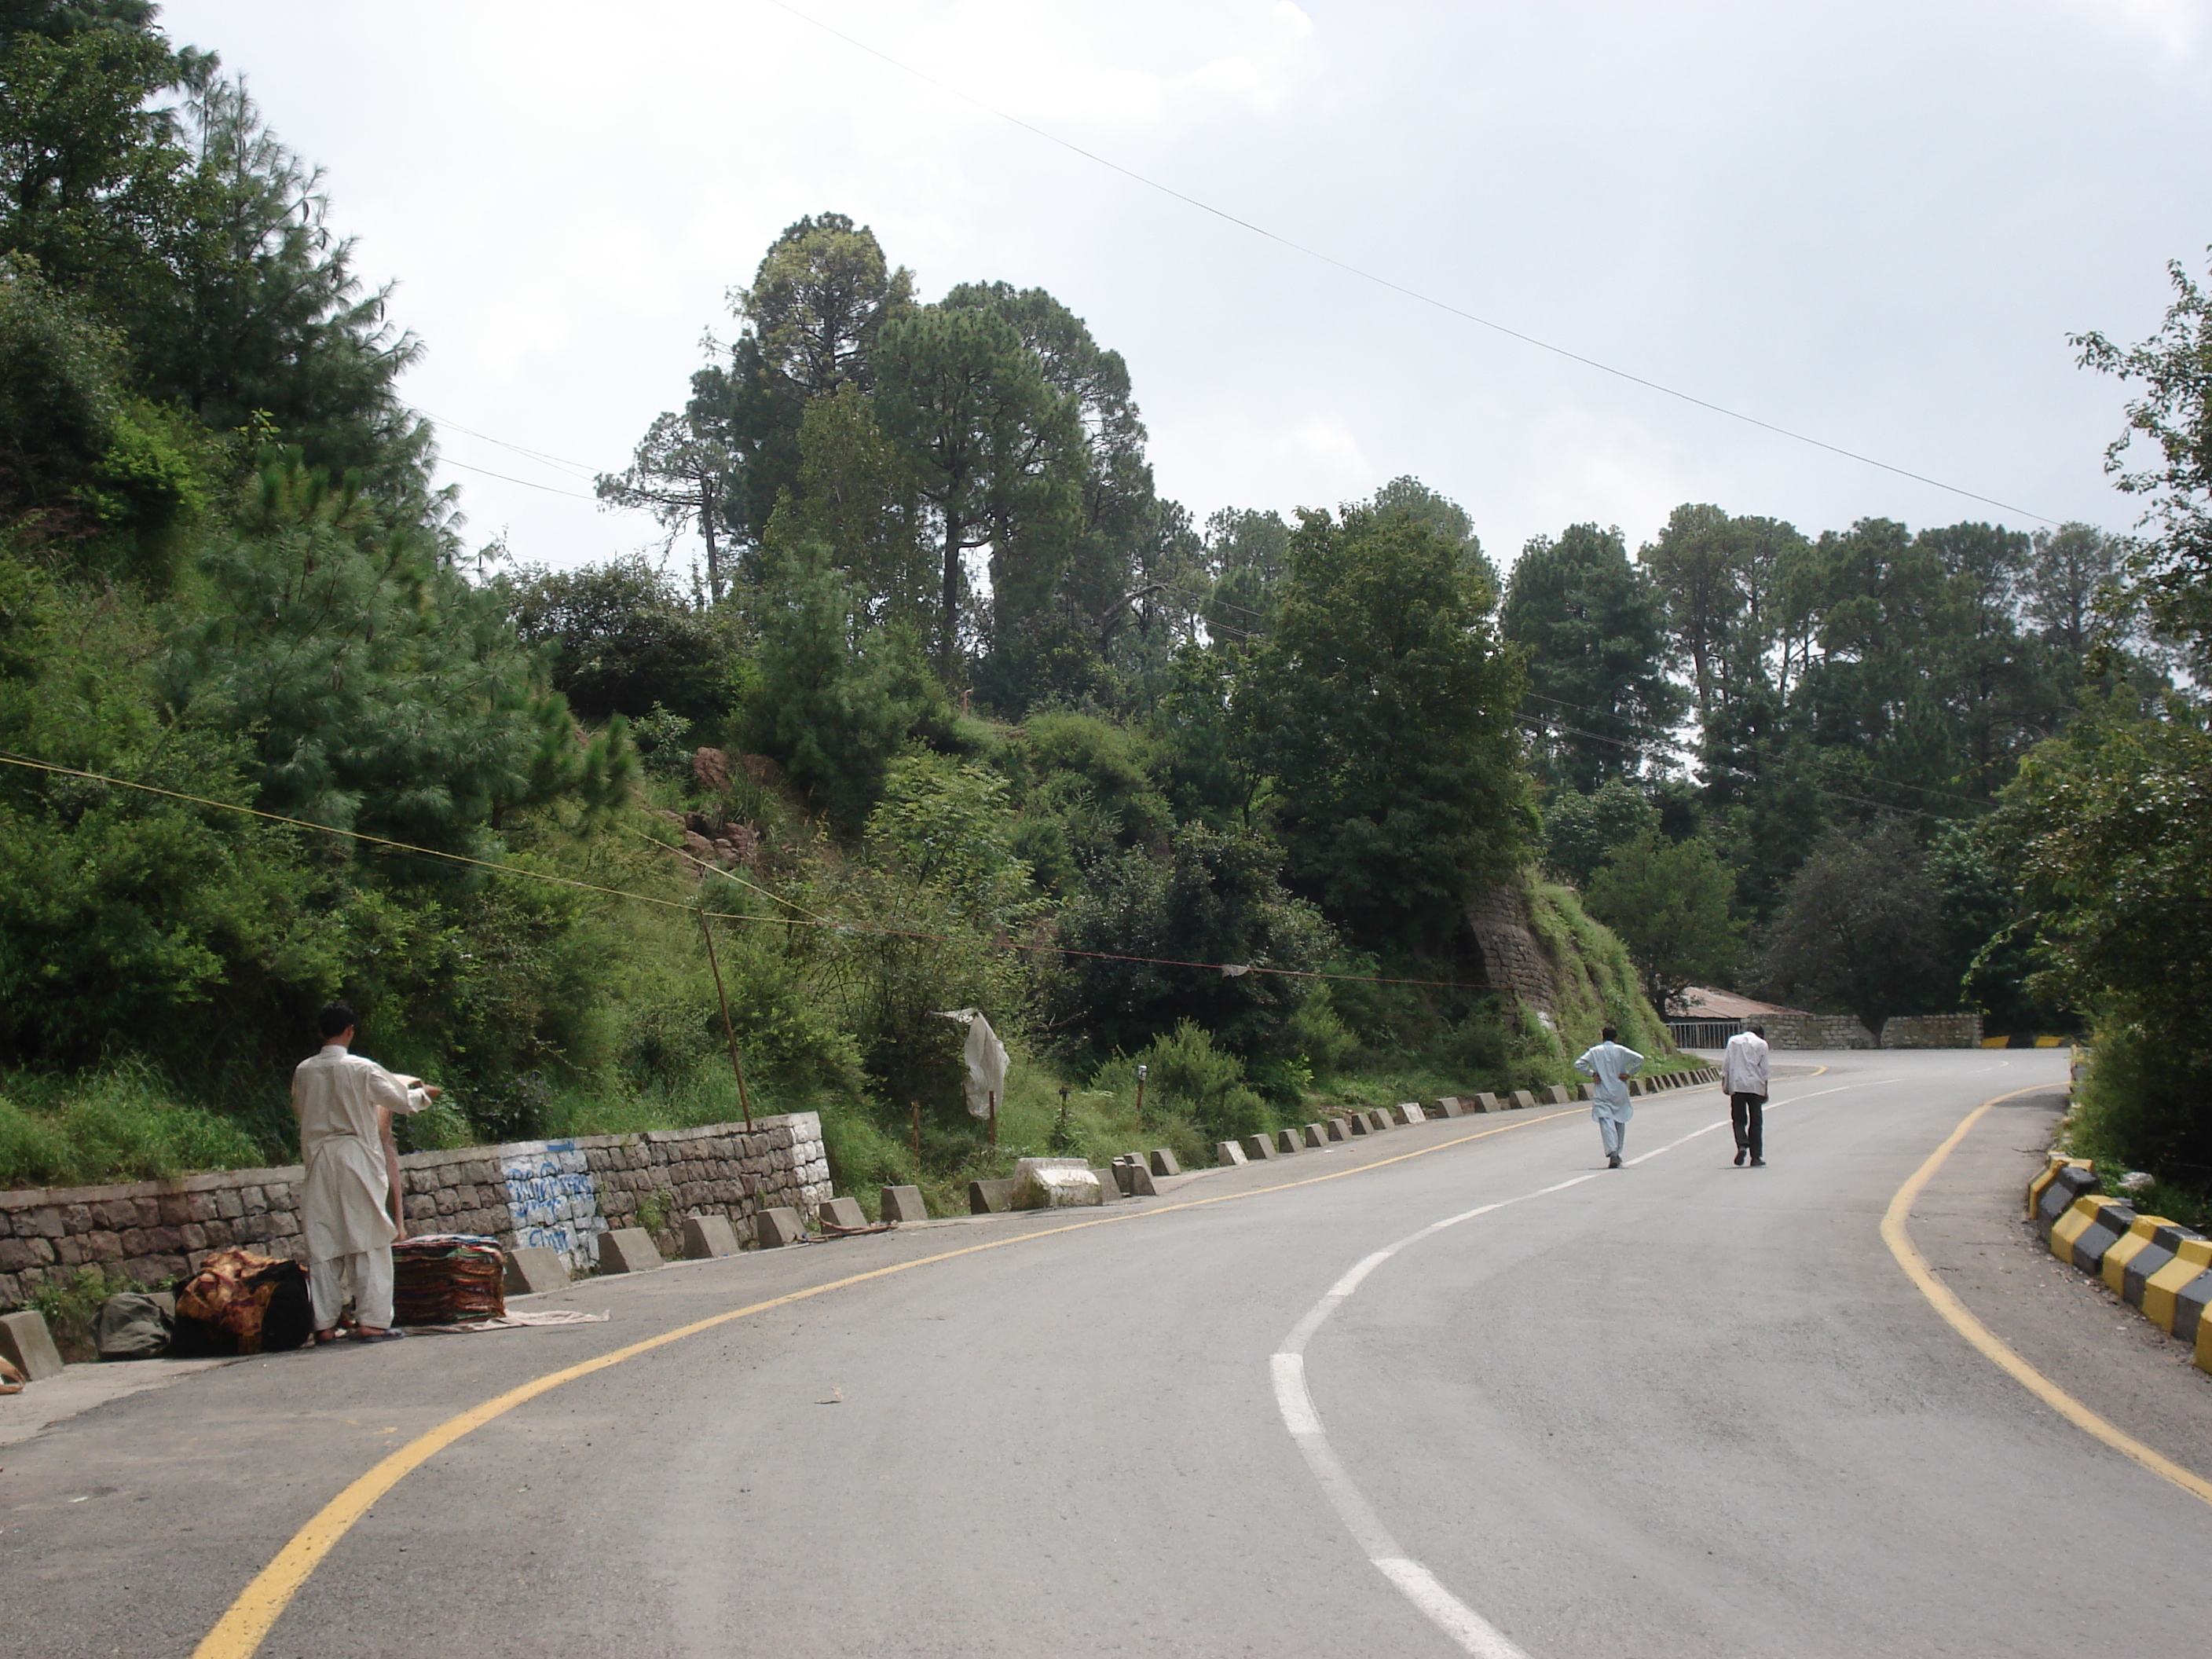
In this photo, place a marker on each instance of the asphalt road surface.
(1681, 1408)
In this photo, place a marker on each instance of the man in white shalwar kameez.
(1610, 1065)
(345, 1104)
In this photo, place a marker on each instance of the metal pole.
(729, 1031)
(994, 1099)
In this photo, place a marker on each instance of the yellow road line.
(239, 1633)
(1894, 1233)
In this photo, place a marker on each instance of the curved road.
(1678, 1409)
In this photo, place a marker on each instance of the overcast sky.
(1871, 224)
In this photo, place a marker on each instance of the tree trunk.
(707, 530)
(948, 647)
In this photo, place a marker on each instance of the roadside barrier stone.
(774, 1228)
(2089, 1229)
(627, 1250)
(2174, 1295)
(1227, 1154)
(26, 1344)
(1287, 1141)
(843, 1212)
(2074, 1181)
(2073, 1176)
(1409, 1112)
(534, 1269)
(1163, 1162)
(1355, 1123)
(706, 1237)
(1138, 1182)
(902, 1204)
(1523, 1101)
(2113, 1268)
(1448, 1106)
(1314, 1135)
(1380, 1121)
(1055, 1183)
(1489, 1102)
(1257, 1148)
(992, 1197)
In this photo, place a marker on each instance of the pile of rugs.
(240, 1301)
(447, 1278)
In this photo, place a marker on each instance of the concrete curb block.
(2160, 1268)
(1163, 1162)
(535, 1270)
(1227, 1154)
(627, 1250)
(776, 1227)
(706, 1237)
(26, 1344)
(844, 1213)
(902, 1204)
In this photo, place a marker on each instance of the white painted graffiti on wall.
(555, 1203)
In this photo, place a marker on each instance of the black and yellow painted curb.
(2158, 1267)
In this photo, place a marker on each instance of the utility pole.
(729, 1031)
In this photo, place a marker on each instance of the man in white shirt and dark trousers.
(1744, 1076)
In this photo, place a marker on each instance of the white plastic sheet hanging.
(987, 1059)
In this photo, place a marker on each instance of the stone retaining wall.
(1932, 1031)
(1843, 1031)
(560, 1193)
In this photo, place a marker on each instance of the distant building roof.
(1703, 1002)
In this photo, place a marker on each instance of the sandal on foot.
(387, 1335)
(323, 1338)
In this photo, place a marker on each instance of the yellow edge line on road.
(1895, 1234)
(239, 1633)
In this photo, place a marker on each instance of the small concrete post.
(627, 1250)
(902, 1204)
(1163, 1162)
(706, 1237)
(534, 1269)
(26, 1341)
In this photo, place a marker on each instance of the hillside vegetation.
(952, 709)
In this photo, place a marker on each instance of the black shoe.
(1741, 1153)
(1613, 1160)
(1759, 1164)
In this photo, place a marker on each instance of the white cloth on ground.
(1610, 1065)
(343, 1201)
(1744, 1067)
(367, 1273)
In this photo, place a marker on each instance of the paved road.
(1678, 1409)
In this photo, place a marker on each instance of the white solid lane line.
(1287, 1367)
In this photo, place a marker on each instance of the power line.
(447, 460)
(558, 462)
(874, 929)
(1398, 287)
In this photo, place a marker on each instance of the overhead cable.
(1399, 288)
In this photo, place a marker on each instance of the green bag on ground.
(132, 1326)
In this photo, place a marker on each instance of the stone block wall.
(561, 1192)
(1513, 958)
(1932, 1031)
(1816, 1031)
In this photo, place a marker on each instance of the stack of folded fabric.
(447, 1278)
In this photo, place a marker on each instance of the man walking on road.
(345, 1104)
(1743, 1074)
(1610, 1066)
